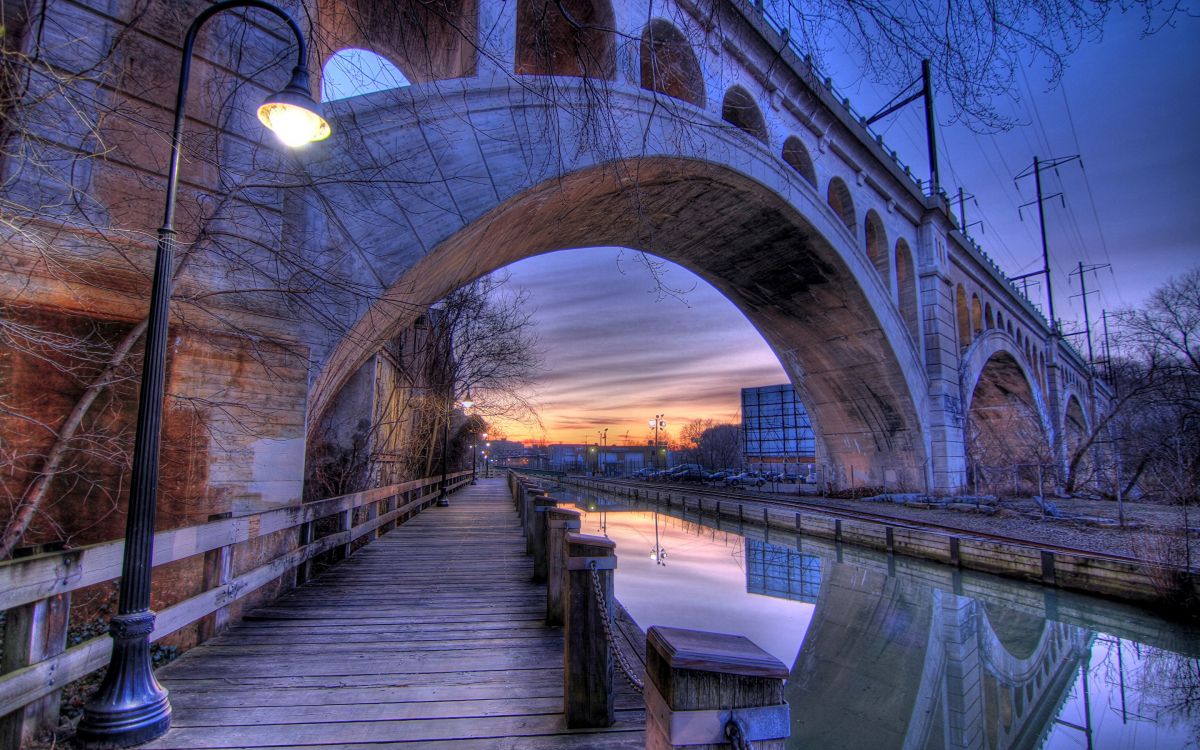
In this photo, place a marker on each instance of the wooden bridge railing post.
(34, 632)
(346, 523)
(697, 682)
(308, 534)
(537, 535)
(587, 662)
(560, 522)
(218, 571)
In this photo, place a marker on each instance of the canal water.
(889, 652)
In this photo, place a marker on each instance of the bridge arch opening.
(1075, 424)
(740, 110)
(963, 315)
(353, 72)
(796, 155)
(842, 202)
(571, 38)
(989, 320)
(841, 347)
(976, 316)
(906, 289)
(877, 246)
(428, 41)
(669, 65)
(1006, 421)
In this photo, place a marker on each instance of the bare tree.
(977, 47)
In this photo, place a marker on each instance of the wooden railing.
(699, 688)
(35, 591)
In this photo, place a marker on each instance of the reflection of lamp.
(131, 707)
(658, 554)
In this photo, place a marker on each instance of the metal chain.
(627, 669)
(736, 734)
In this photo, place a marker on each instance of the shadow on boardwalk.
(432, 636)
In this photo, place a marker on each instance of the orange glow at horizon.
(617, 352)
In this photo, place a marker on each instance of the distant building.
(604, 460)
(776, 431)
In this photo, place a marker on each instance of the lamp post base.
(130, 707)
(443, 502)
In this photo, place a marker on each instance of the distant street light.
(656, 423)
(131, 707)
(443, 499)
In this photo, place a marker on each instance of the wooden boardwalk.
(429, 637)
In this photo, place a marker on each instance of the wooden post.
(559, 523)
(527, 516)
(218, 571)
(696, 682)
(346, 523)
(537, 535)
(308, 533)
(587, 662)
(372, 514)
(34, 632)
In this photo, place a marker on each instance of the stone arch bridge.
(696, 134)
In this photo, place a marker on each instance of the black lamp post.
(443, 499)
(131, 707)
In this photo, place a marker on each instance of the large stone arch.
(1007, 418)
(769, 244)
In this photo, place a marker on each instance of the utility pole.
(926, 93)
(961, 200)
(930, 128)
(1083, 292)
(1038, 167)
(1107, 350)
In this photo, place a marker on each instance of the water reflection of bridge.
(892, 663)
(911, 654)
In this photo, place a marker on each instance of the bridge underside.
(791, 283)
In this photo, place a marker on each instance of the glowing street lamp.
(131, 707)
(656, 423)
(443, 499)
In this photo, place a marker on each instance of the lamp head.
(292, 114)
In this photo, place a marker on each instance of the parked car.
(718, 477)
(745, 479)
(691, 474)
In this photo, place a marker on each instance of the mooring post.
(587, 662)
(527, 517)
(706, 690)
(559, 523)
(537, 535)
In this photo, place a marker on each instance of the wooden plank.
(30, 579)
(411, 642)
(23, 686)
(458, 728)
